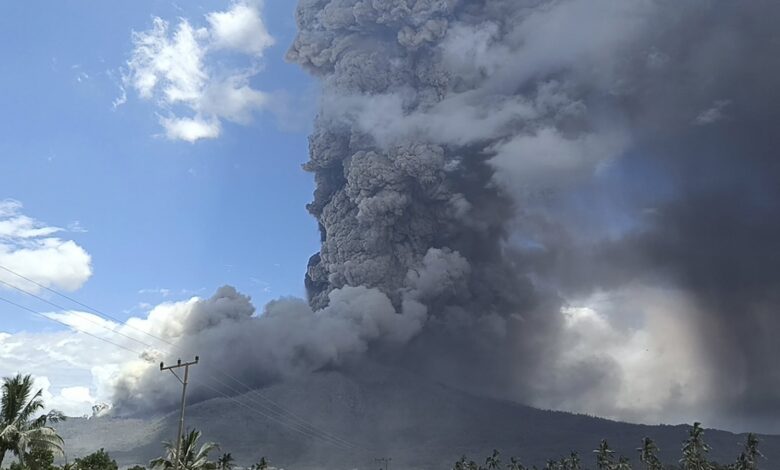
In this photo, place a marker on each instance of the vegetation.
(694, 457)
(748, 459)
(192, 457)
(99, 460)
(225, 462)
(263, 464)
(648, 455)
(36, 459)
(695, 450)
(21, 432)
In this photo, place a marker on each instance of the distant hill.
(419, 424)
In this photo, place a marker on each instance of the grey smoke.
(481, 164)
(288, 339)
(470, 125)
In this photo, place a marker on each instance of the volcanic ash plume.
(530, 199)
(539, 153)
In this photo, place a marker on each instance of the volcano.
(347, 419)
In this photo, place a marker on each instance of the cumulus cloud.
(35, 250)
(74, 370)
(241, 28)
(191, 129)
(181, 69)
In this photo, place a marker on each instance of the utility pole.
(184, 381)
(384, 463)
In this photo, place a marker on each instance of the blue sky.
(152, 212)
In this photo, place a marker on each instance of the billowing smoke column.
(406, 200)
(635, 141)
(388, 207)
(570, 203)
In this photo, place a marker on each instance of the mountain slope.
(385, 413)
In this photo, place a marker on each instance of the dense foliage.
(99, 460)
(21, 432)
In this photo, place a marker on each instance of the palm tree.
(574, 461)
(20, 432)
(493, 462)
(604, 457)
(191, 459)
(263, 464)
(648, 455)
(623, 464)
(695, 450)
(465, 464)
(748, 459)
(225, 462)
(515, 464)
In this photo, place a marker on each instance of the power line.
(280, 410)
(184, 383)
(294, 419)
(3, 299)
(215, 390)
(75, 301)
(42, 299)
(275, 408)
(255, 410)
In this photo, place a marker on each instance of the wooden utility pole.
(384, 463)
(184, 381)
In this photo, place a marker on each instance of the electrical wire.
(279, 413)
(91, 320)
(3, 299)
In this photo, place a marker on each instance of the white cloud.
(644, 344)
(191, 129)
(33, 249)
(159, 291)
(241, 28)
(176, 67)
(76, 370)
(65, 364)
(76, 227)
(83, 321)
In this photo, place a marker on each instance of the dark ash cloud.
(504, 181)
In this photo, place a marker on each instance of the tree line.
(694, 457)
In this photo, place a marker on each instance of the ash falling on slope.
(572, 204)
